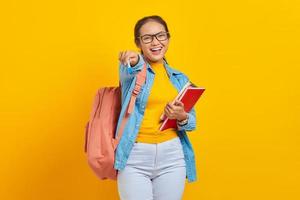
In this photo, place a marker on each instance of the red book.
(189, 95)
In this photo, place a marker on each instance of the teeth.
(156, 48)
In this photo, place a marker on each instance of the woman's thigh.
(134, 185)
(169, 182)
(153, 171)
(169, 185)
(134, 181)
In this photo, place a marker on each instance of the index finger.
(171, 105)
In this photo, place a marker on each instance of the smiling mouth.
(156, 50)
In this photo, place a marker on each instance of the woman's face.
(153, 51)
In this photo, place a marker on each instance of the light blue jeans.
(153, 172)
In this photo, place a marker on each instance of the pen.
(129, 69)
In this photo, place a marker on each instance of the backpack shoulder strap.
(140, 80)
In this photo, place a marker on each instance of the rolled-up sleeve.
(191, 124)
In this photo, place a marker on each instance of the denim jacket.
(127, 79)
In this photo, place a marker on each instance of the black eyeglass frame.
(154, 35)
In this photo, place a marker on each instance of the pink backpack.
(100, 142)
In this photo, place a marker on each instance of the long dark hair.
(143, 21)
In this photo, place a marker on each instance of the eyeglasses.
(161, 36)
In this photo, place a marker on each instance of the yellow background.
(55, 54)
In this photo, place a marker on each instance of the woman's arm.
(191, 122)
(127, 74)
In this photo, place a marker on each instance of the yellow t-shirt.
(161, 93)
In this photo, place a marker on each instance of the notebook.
(188, 95)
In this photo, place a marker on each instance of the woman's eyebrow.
(154, 33)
